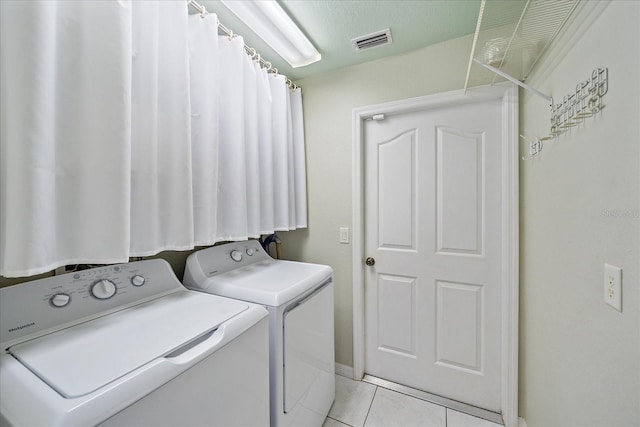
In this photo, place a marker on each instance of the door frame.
(508, 93)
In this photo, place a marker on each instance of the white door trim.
(510, 184)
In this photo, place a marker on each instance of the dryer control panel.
(42, 306)
(223, 258)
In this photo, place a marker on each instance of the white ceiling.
(331, 24)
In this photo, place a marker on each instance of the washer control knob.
(250, 252)
(103, 289)
(60, 300)
(138, 280)
(236, 256)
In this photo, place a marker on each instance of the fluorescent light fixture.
(267, 19)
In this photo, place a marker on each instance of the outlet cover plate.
(613, 286)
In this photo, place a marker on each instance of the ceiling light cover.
(271, 23)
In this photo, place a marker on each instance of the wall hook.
(535, 147)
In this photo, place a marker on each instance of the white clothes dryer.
(299, 298)
(128, 345)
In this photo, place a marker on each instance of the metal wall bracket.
(514, 80)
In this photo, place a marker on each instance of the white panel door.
(433, 225)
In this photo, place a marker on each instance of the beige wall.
(328, 101)
(580, 359)
(580, 201)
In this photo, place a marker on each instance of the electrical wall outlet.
(613, 286)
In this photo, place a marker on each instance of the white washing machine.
(128, 345)
(299, 297)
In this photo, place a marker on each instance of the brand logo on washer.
(17, 328)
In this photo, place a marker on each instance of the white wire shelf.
(511, 36)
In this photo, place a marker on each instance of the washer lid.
(83, 358)
(270, 282)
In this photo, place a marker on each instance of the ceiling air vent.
(378, 38)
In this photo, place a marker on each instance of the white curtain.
(128, 128)
(232, 178)
(161, 172)
(205, 106)
(251, 137)
(299, 160)
(281, 137)
(265, 168)
(65, 120)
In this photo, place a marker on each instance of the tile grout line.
(442, 402)
(341, 422)
(370, 405)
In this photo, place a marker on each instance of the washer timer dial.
(103, 289)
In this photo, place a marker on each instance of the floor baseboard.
(345, 371)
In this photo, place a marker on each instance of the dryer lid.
(270, 282)
(83, 358)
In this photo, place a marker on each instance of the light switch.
(344, 234)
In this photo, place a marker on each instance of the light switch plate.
(344, 234)
(613, 286)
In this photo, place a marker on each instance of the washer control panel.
(42, 305)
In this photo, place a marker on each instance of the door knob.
(370, 261)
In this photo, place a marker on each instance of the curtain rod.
(249, 50)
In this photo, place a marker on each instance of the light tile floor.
(360, 404)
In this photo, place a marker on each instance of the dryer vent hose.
(267, 241)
